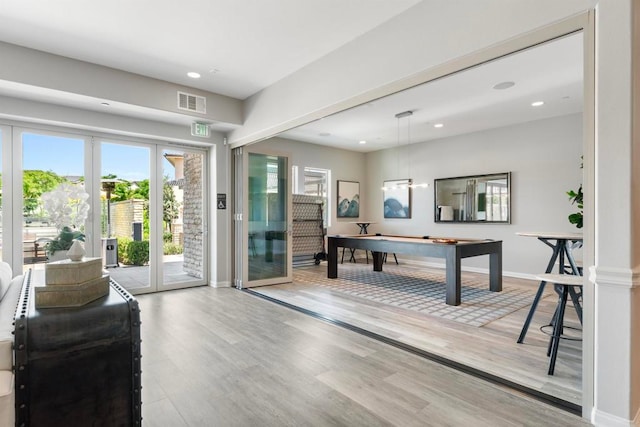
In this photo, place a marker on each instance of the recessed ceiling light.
(193, 75)
(363, 142)
(537, 103)
(438, 125)
(504, 85)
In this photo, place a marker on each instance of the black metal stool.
(384, 258)
(364, 229)
(352, 257)
(562, 283)
(563, 247)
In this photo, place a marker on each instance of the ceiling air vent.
(189, 102)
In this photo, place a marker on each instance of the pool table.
(451, 249)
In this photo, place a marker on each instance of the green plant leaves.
(64, 240)
(576, 198)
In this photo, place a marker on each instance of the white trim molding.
(616, 291)
(615, 277)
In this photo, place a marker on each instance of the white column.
(617, 269)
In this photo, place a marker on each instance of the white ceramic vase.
(76, 251)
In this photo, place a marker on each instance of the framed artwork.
(397, 198)
(348, 205)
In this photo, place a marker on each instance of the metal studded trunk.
(78, 366)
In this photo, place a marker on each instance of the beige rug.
(413, 288)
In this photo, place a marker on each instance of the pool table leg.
(332, 260)
(378, 260)
(495, 271)
(453, 276)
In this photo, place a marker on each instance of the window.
(316, 183)
(497, 201)
(272, 176)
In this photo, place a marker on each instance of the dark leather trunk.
(78, 366)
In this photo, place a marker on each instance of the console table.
(77, 366)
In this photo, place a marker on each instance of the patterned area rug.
(421, 290)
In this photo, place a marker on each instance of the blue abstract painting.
(348, 199)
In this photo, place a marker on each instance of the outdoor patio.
(134, 277)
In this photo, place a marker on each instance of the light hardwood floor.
(491, 348)
(224, 357)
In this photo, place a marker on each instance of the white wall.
(221, 227)
(544, 160)
(344, 165)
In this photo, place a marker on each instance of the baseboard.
(601, 418)
(224, 284)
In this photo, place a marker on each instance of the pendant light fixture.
(405, 114)
(396, 185)
(400, 116)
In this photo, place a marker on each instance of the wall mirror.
(476, 198)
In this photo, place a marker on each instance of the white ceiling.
(463, 102)
(238, 46)
(243, 46)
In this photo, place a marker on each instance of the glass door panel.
(183, 218)
(125, 227)
(48, 161)
(1, 195)
(148, 206)
(268, 249)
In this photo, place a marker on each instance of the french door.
(155, 215)
(48, 162)
(147, 205)
(263, 218)
(182, 202)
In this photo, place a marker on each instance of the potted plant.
(68, 209)
(576, 198)
(62, 243)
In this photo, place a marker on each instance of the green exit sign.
(200, 129)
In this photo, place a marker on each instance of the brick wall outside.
(192, 211)
(123, 215)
